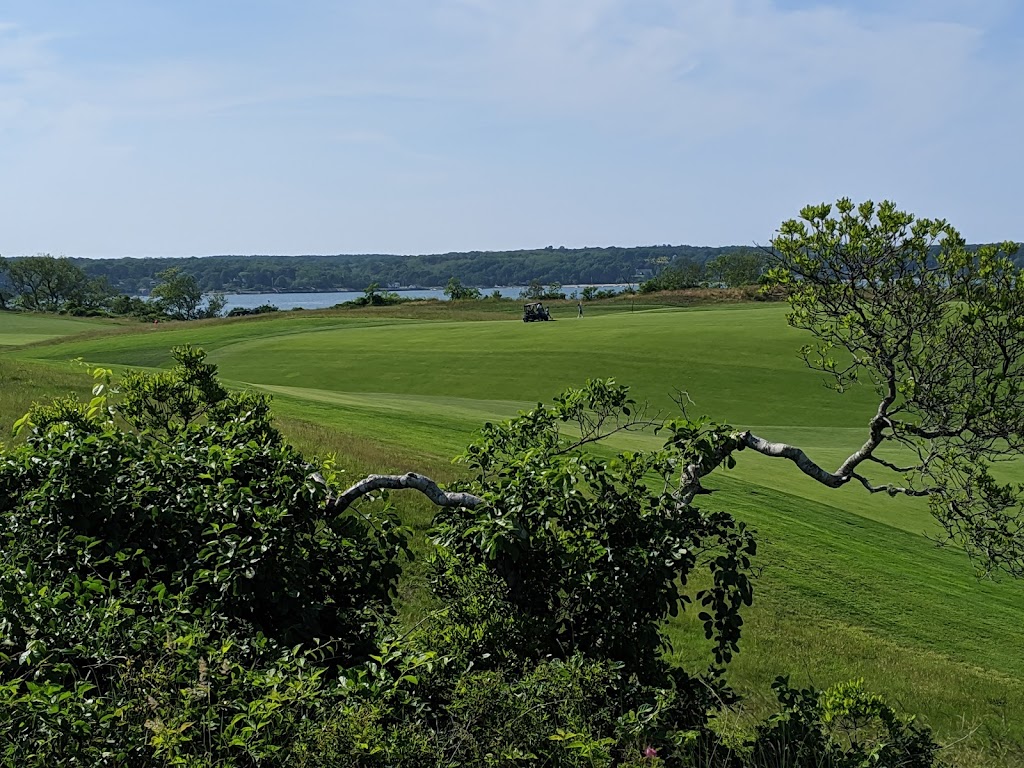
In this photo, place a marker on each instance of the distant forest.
(481, 269)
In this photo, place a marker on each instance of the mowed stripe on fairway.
(430, 384)
(19, 328)
(746, 374)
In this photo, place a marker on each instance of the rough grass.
(850, 585)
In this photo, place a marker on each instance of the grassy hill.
(850, 585)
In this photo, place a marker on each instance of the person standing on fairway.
(579, 308)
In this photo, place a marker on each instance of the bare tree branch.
(892, 490)
(896, 468)
(690, 477)
(794, 454)
(410, 480)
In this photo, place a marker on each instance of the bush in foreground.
(179, 586)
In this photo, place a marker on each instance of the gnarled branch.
(690, 480)
(410, 480)
(794, 454)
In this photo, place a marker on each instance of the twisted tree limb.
(794, 454)
(410, 480)
(690, 479)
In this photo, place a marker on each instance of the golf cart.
(535, 311)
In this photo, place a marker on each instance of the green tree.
(589, 555)
(678, 276)
(46, 284)
(164, 555)
(178, 295)
(737, 268)
(532, 292)
(936, 330)
(7, 291)
(456, 291)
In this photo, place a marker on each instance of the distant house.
(643, 274)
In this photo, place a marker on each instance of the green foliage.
(262, 309)
(901, 305)
(373, 296)
(577, 712)
(178, 295)
(188, 540)
(676, 277)
(537, 291)
(241, 536)
(592, 292)
(133, 306)
(352, 272)
(842, 727)
(456, 291)
(166, 689)
(47, 284)
(591, 554)
(172, 591)
(737, 268)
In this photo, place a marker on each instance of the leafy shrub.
(842, 727)
(577, 712)
(588, 555)
(592, 292)
(676, 277)
(537, 291)
(174, 590)
(172, 533)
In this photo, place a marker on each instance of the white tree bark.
(410, 480)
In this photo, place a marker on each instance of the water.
(285, 301)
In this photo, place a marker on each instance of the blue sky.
(422, 126)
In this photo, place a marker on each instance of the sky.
(187, 128)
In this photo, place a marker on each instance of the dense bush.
(589, 554)
(592, 292)
(184, 535)
(176, 589)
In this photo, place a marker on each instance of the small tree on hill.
(456, 291)
(179, 296)
(737, 268)
(679, 275)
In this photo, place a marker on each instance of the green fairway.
(850, 584)
(17, 328)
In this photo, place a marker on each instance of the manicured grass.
(17, 328)
(849, 584)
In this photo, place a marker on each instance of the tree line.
(188, 289)
(265, 274)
